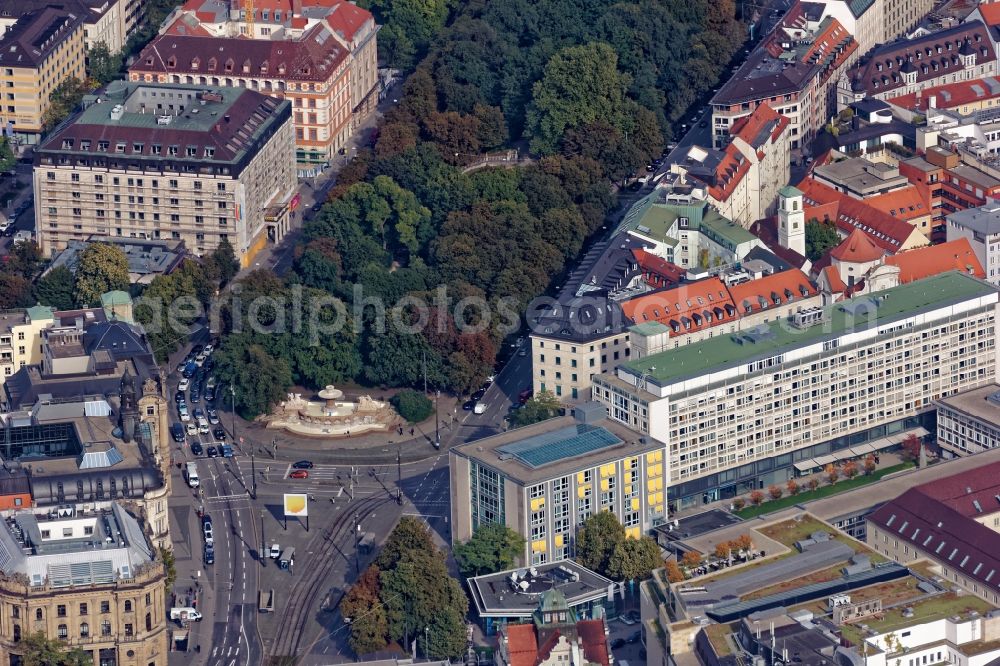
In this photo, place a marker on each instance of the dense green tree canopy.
(492, 548)
(540, 407)
(55, 289)
(102, 268)
(820, 238)
(597, 539)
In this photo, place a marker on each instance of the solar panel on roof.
(560, 444)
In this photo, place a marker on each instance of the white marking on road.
(229, 651)
(215, 651)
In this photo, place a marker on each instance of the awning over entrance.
(824, 460)
(805, 466)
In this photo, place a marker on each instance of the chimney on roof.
(296, 7)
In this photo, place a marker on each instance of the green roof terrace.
(769, 340)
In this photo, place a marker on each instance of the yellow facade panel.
(559, 540)
(538, 546)
(581, 478)
(537, 503)
(581, 491)
(635, 504)
(605, 485)
(632, 533)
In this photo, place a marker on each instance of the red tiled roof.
(990, 12)
(306, 59)
(749, 128)
(938, 518)
(946, 96)
(522, 644)
(657, 271)
(344, 18)
(881, 228)
(730, 171)
(685, 309)
(921, 262)
(907, 203)
(857, 248)
(595, 643)
(833, 279)
(771, 291)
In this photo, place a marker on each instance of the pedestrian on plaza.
(411, 432)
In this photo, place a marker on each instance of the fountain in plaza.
(331, 416)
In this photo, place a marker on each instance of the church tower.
(128, 410)
(791, 220)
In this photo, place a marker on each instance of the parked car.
(478, 395)
(617, 643)
(192, 429)
(302, 464)
(199, 360)
(299, 474)
(182, 412)
(196, 448)
(275, 552)
(179, 396)
(227, 451)
(177, 432)
(184, 384)
(469, 405)
(203, 427)
(209, 554)
(209, 348)
(213, 416)
(210, 394)
(212, 452)
(219, 434)
(206, 528)
(634, 636)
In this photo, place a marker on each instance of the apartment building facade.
(172, 162)
(981, 228)
(738, 412)
(961, 53)
(110, 603)
(794, 72)
(544, 480)
(323, 59)
(41, 50)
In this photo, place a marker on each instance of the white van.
(191, 474)
(480, 408)
(185, 613)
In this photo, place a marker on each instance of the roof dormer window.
(172, 62)
(230, 65)
(195, 63)
(246, 66)
(212, 64)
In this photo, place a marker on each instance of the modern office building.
(41, 50)
(89, 579)
(544, 480)
(174, 162)
(969, 422)
(738, 412)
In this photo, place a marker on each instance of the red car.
(299, 474)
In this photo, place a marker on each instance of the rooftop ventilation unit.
(117, 112)
(163, 120)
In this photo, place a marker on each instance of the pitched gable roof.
(771, 291)
(685, 309)
(759, 127)
(907, 203)
(522, 644)
(856, 248)
(882, 229)
(939, 518)
(921, 262)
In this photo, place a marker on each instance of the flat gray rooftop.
(516, 592)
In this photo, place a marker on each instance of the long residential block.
(737, 412)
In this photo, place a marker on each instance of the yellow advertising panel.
(296, 504)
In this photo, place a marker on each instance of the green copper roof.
(789, 191)
(728, 351)
(649, 328)
(40, 313)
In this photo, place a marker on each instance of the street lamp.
(357, 544)
(427, 642)
(232, 390)
(437, 424)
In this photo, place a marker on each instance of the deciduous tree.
(820, 237)
(597, 539)
(775, 492)
(673, 571)
(102, 268)
(634, 559)
(541, 406)
(492, 548)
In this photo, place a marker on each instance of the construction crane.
(248, 10)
